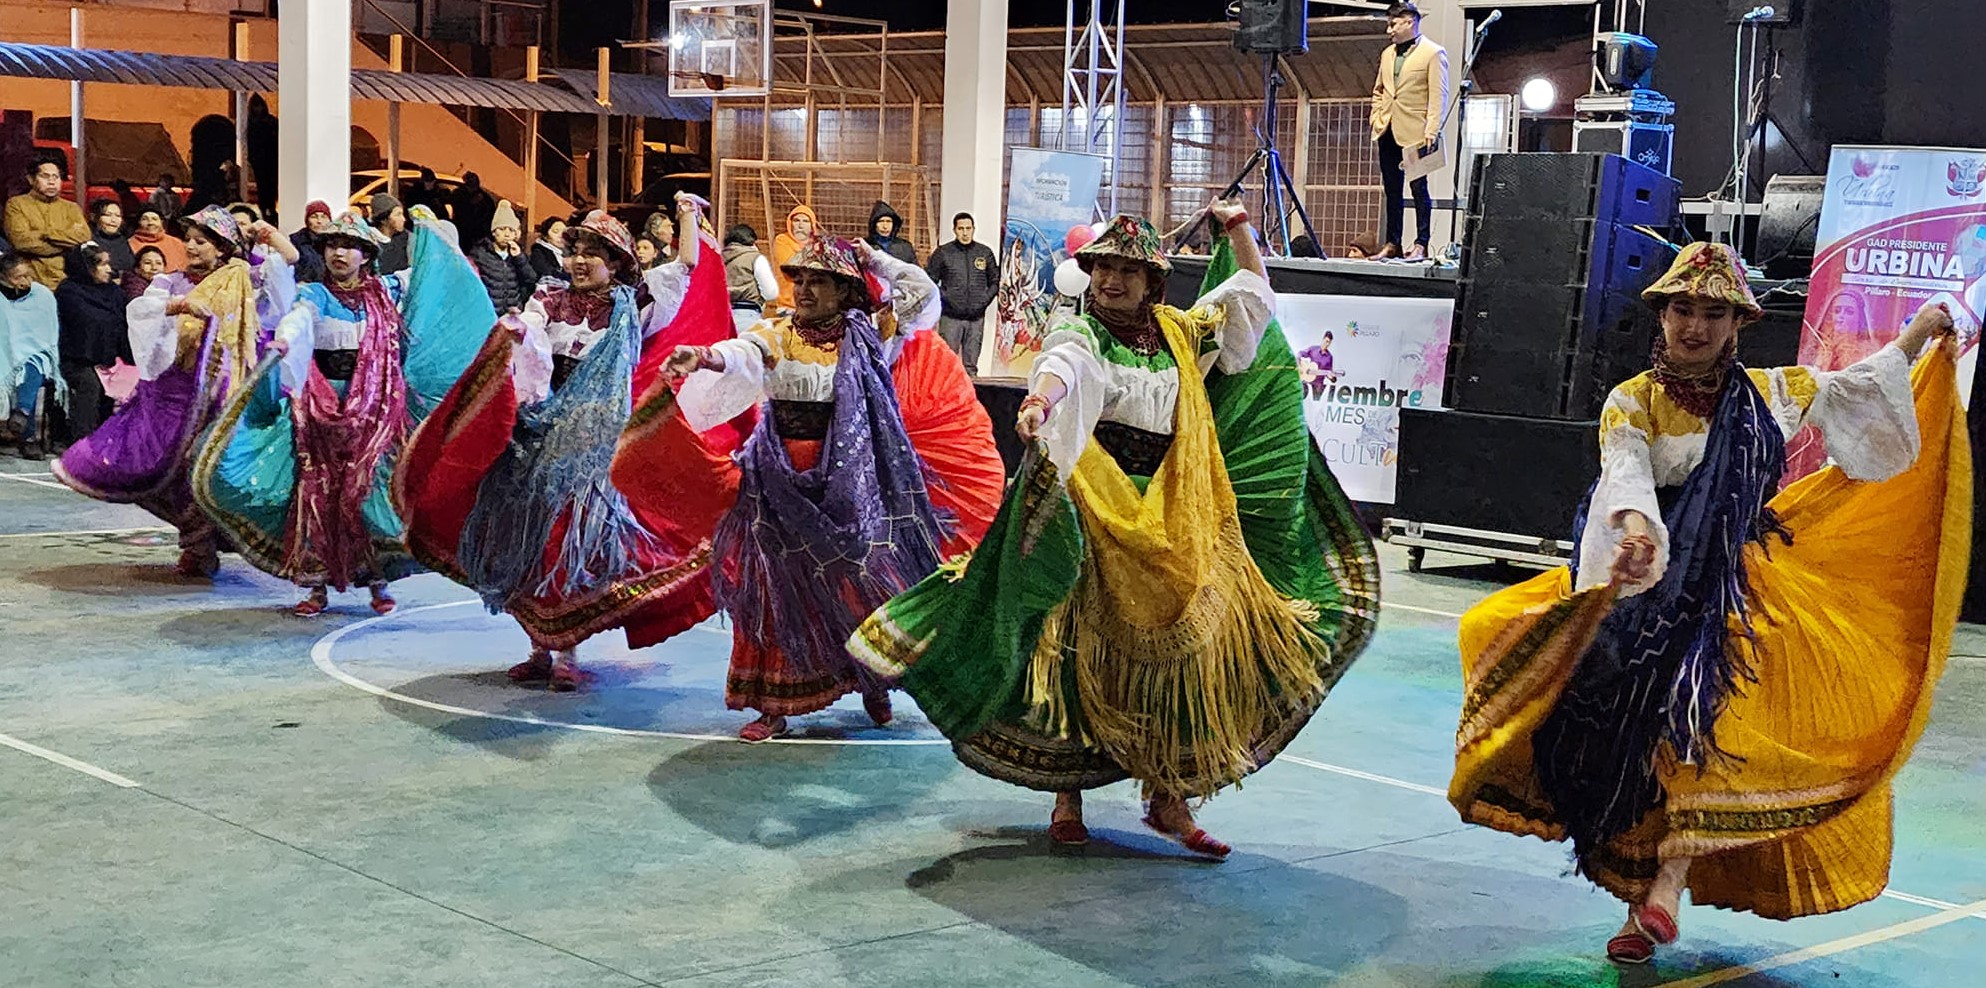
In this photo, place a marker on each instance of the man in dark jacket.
(473, 209)
(968, 276)
(310, 252)
(502, 262)
(885, 233)
(390, 218)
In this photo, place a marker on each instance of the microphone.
(1495, 15)
(1760, 13)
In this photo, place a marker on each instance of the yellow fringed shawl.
(1179, 647)
(229, 293)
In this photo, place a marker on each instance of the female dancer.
(506, 488)
(871, 463)
(296, 469)
(1692, 704)
(196, 334)
(1175, 580)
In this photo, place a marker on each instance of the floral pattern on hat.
(1126, 236)
(222, 224)
(1707, 271)
(610, 230)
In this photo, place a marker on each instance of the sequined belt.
(1138, 452)
(336, 365)
(802, 419)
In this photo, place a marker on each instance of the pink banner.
(1900, 228)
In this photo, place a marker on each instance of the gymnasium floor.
(197, 789)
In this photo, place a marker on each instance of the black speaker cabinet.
(1495, 473)
(1273, 27)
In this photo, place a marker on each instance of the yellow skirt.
(1854, 622)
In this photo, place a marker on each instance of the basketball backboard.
(720, 48)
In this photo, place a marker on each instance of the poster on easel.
(1900, 228)
(1049, 193)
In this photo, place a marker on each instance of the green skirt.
(963, 641)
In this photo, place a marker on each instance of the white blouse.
(1865, 412)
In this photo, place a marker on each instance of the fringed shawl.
(341, 441)
(557, 470)
(1665, 663)
(803, 557)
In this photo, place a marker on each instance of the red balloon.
(1078, 237)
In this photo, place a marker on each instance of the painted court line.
(1419, 610)
(1832, 947)
(320, 656)
(67, 762)
(23, 478)
(87, 531)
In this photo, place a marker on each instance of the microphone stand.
(1464, 182)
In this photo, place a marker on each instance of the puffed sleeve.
(1236, 314)
(1069, 352)
(154, 335)
(275, 281)
(298, 331)
(667, 285)
(531, 357)
(1627, 483)
(710, 398)
(1867, 414)
(913, 295)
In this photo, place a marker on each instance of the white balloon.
(1070, 278)
(1099, 226)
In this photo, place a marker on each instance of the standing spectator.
(800, 226)
(749, 276)
(245, 214)
(43, 225)
(647, 251)
(662, 230)
(885, 233)
(500, 259)
(127, 198)
(28, 353)
(151, 232)
(548, 254)
(968, 276)
(390, 219)
(165, 198)
(474, 210)
(90, 305)
(150, 262)
(107, 231)
(426, 191)
(264, 146)
(309, 241)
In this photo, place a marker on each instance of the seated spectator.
(93, 337)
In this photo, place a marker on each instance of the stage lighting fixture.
(1540, 95)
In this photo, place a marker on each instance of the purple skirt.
(139, 455)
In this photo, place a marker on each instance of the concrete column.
(975, 117)
(314, 93)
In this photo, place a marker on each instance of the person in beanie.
(968, 277)
(390, 219)
(310, 253)
(749, 276)
(297, 467)
(501, 261)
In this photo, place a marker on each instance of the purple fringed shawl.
(802, 558)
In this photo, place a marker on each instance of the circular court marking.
(322, 655)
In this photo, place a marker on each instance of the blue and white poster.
(1048, 194)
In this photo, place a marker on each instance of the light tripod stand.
(1279, 193)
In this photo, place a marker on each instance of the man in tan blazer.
(1408, 100)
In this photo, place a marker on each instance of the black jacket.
(118, 246)
(547, 264)
(93, 330)
(393, 254)
(509, 280)
(968, 277)
(310, 257)
(896, 246)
